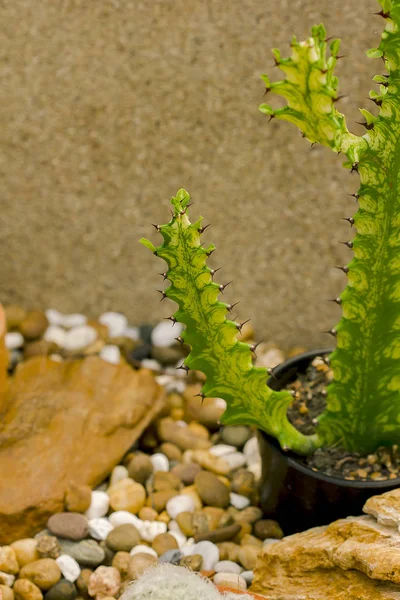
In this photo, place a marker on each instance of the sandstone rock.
(127, 495)
(105, 581)
(385, 508)
(48, 546)
(41, 447)
(351, 559)
(77, 497)
(26, 590)
(25, 551)
(43, 572)
(6, 592)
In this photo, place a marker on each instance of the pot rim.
(293, 459)
(223, 588)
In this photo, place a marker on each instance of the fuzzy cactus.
(363, 403)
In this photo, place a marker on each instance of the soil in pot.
(309, 402)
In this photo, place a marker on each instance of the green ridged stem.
(363, 404)
(215, 349)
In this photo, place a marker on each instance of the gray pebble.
(87, 552)
(248, 576)
(235, 435)
(171, 556)
(62, 590)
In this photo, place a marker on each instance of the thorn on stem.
(332, 332)
(202, 229)
(354, 167)
(164, 275)
(223, 286)
(344, 269)
(365, 124)
(184, 368)
(349, 219)
(231, 306)
(213, 271)
(253, 347)
(180, 340)
(156, 227)
(240, 325)
(163, 295)
(356, 196)
(171, 318)
(336, 300)
(349, 244)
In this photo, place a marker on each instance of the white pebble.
(79, 337)
(235, 460)
(178, 504)
(111, 354)
(116, 323)
(123, 517)
(164, 334)
(100, 528)
(209, 552)
(234, 582)
(256, 469)
(222, 450)
(150, 529)
(248, 576)
(98, 505)
(173, 526)
(14, 340)
(55, 334)
(7, 579)
(238, 501)
(118, 473)
(220, 403)
(270, 541)
(69, 568)
(74, 320)
(142, 548)
(227, 566)
(160, 462)
(54, 317)
(188, 548)
(251, 450)
(132, 333)
(56, 358)
(180, 537)
(150, 363)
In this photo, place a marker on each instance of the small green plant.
(363, 402)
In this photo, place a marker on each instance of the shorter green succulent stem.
(215, 349)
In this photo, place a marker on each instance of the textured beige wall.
(109, 106)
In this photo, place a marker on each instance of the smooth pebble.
(150, 363)
(111, 354)
(239, 501)
(54, 317)
(180, 537)
(248, 576)
(118, 473)
(55, 334)
(132, 333)
(251, 451)
(68, 567)
(78, 338)
(100, 528)
(99, 505)
(7, 579)
(227, 566)
(164, 335)
(222, 450)
(160, 462)
(73, 320)
(179, 504)
(209, 552)
(143, 548)
(14, 340)
(235, 460)
(117, 323)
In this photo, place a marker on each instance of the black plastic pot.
(293, 494)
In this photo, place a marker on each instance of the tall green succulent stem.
(363, 409)
(215, 349)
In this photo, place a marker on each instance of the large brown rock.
(351, 559)
(63, 422)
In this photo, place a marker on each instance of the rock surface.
(351, 559)
(48, 415)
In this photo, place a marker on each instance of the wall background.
(107, 107)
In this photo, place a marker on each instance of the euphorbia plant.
(363, 401)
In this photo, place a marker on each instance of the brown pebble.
(39, 348)
(267, 528)
(164, 517)
(170, 431)
(8, 560)
(250, 514)
(24, 589)
(219, 535)
(158, 500)
(121, 563)
(140, 468)
(164, 542)
(6, 593)
(123, 538)
(200, 523)
(44, 573)
(25, 551)
(229, 551)
(248, 556)
(72, 526)
(185, 522)
(14, 316)
(245, 529)
(147, 514)
(192, 562)
(165, 481)
(243, 483)
(211, 490)
(139, 563)
(77, 498)
(48, 546)
(214, 516)
(82, 583)
(186, 472)
(34, 325)
(171, 451)
(250, 540)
